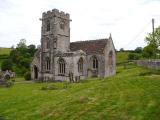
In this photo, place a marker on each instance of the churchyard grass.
(133, 94)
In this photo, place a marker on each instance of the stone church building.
(58, 59)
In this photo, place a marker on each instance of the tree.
(25, 62)
(15, 56)
(121, 50)
(21, 56)
(6, 65)
(31, 49)
(22, 47)
(138, 50)
(149, 51)
(153, 41)
(22, 44)
(156, 39)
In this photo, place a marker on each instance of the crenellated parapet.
(56, 13)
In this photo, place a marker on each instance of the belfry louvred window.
(48, 25)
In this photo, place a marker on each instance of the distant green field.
(5, 51)
(133, 94)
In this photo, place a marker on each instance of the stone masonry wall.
(152, 64)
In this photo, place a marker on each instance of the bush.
(133, 56)
(27, 76)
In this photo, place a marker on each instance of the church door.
(35, 72)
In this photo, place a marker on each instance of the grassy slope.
(4, 53)
(126, 96)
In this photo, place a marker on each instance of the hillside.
(4, 53)
(133, 94)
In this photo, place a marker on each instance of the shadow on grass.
(150, 72)
(56, 86)
(2, 118)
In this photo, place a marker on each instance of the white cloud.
(91, 19)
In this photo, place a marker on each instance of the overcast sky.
(129, 21)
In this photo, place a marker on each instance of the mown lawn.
(133, 94)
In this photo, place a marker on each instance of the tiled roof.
(90, 47)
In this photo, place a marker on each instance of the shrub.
(27, 76)
(133, 56)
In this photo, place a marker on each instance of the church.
(58, 59)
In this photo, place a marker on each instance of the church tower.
(55, 37)
(55, 31)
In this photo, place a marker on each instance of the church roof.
(37, 53)
(90, 47)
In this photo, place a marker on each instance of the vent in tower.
(48, 25)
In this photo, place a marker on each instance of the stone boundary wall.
(152, 64)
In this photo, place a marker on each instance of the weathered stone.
(59, 60)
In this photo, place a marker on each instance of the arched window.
(48, 63)
(110, 61)
(48, 25)
(95, 63)
(80, 65)
(62, 66)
